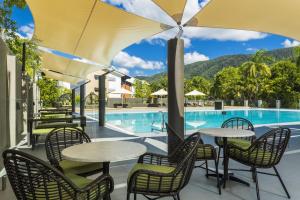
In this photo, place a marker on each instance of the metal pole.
(24, 57)
(175, 92)
(82, 99)
(73, 100)
(101, 98)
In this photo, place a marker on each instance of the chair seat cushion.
(79, 167)
(42, 131)
(79, 181)
(258, 158)
(168, 183)
(205, 152)
(244, 144)
(50, 116)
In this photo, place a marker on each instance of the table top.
(226, 132)
(106, 151)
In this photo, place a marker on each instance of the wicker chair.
(205, 152)
(156, 176)
(32, 178)
(236, 123)
(61, 138)
(265, 152)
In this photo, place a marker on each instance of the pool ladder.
(159, 126)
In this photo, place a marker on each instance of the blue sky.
(149, 56)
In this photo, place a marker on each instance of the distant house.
(114, 81)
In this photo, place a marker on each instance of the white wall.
(113, 83)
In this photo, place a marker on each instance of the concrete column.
(101, 98)
(175, 92)
(82, 99)
(73, 101)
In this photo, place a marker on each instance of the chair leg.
(206, 167)
(219, 154)
(257, 186)
(281, 181)
(218, 178)
(128, 196)
(176, 197)
(253, 174)
(135, 196)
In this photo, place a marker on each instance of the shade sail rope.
(84, 28)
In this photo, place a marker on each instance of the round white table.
(226, 133)
(105, 152)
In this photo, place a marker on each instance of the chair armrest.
(93, 187)
(155, 159)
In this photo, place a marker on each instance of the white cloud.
(192, 8)
(289, 43)
(194, 57)
(45, 49)
(145, 8)
(26, 31)
(125, 60)
(252, 49)
(123, 70)
(221, 34)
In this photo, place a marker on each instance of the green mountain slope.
(209, 68)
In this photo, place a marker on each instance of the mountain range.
(209, 68)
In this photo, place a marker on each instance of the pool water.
(142, 122)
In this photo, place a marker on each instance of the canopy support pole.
(101, 99)
(82, 101)
(175, 92)
(73, 100)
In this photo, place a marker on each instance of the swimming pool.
(141, 122)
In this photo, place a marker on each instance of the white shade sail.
(63, 77)
(175, 8)
(62, 65)
(270, 16)
(121, 91)
(195, 93)
(160, 92)
(90, 29)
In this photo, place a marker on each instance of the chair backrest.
(268, 150)
(238, 123)
(61, 138)
(32, 178)
(185, 156)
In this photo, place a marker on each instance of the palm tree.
(256, 70)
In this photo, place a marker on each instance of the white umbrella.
(122, 91)
(160, 93)
(195, 93)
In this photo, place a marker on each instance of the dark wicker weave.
(158, 185)
(265, 152)
(61, 138)
(235, 123)
(205, 152)
(32, 178)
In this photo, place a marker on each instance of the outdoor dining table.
(226, 133)
(104, 152)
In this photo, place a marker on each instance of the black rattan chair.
(265, 152)
(205, 152)
(156, 176)
(32, 178)
(236, 123)
(61, 138)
